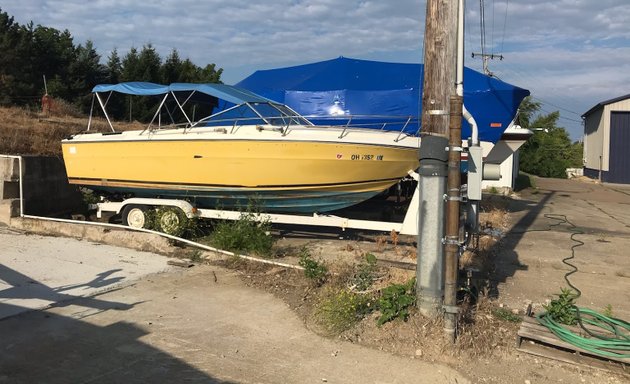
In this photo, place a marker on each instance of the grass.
(482, 327)
(313, 270)
(26, 131)
(506, 315)
(339, 309)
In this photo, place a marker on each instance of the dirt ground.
(178, 325)
(525, 259)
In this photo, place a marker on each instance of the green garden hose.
(612, 338)
(614, 341)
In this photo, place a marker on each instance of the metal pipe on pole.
(438, 85)
(451, 242)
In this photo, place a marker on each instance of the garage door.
(619, 164)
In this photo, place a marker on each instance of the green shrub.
(562, 309)
(395, 301)
(246, 234)
(313, 270)
(340, 310)
(506, 314)
(365, 274)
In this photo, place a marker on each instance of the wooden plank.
(534, 331)
(573, 358)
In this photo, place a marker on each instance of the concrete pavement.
(201, 325)
(40, 271)
(529, 265)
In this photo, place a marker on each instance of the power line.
(507, 3)
(553, 105)
(492, 35)
(569, 119)
(560, 117)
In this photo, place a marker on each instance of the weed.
(196, 256)
(608, 311)
(562, 309)
(393, 235)
(506, 315)
(365, 274)
(339, 310)
(381, 242)
(480, 331)
(395, 301)
(247, 234)
(313, 270)
(88, 196)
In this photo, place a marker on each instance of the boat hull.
(282, 175)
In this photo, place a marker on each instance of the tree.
(131, 66)
(172, 68)
(9, 59)
(84, 73)
(549, 152)
(114, 67)
(53, 53)
(28, 52)
(149, 63)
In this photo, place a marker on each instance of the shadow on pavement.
(23, 287)
(45, 347)
(506, 263)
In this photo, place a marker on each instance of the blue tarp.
(228, 93)
(341, 87)
(133, 88)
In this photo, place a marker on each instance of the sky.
(571, 54)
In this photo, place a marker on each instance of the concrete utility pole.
(440, 55)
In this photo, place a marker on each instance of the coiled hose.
(608, 336)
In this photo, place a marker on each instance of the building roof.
(597, 106)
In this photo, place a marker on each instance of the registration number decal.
(366, 157)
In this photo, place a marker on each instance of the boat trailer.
(133, 210)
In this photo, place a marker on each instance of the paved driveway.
(198, 325)
(39, 271)
(529, 263)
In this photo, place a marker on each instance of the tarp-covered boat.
(381, 95)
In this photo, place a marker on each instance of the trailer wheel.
(134, 216)
(172, 221)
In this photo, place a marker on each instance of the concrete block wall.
(9, 189)
(45, 188)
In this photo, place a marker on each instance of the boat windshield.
(256, 113)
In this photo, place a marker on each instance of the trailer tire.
(135, 216)
(172, 221)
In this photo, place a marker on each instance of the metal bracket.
(454, 148)
(451, 308)
(452, 198)
(451, 241)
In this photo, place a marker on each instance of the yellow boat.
(255, 149)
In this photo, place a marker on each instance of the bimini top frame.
(248, 106)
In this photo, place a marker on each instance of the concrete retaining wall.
(45, 187)
(113, 236)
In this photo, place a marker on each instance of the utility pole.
(440, 55)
